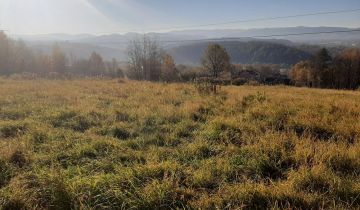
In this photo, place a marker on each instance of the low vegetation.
(325, 71)
(148, 61)
(117, 144)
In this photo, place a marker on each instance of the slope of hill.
(250, 51)
(101, 144)
(243, 52)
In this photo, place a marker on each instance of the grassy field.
(108, 144)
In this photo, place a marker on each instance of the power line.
(266, 36)
(249, 37)
(243, 21)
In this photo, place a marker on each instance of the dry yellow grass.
(105, 144)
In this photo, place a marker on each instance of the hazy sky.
(111, 16)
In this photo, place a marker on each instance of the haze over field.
(115, 45)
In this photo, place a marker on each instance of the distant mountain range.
(187, 46)
(277, 32)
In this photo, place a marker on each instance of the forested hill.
(243, 52)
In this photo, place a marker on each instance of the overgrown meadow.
(117, 144)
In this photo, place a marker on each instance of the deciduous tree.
(168, 69)
(96, 64)
(58, 60)
(216, 59)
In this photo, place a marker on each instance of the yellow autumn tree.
(168, 69)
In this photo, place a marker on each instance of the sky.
(121, 16)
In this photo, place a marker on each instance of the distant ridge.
(246, 52)
(284, 50)
(213, 33)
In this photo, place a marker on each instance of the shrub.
(5, 173)
(12, 130)
(73, 121)
(122, 116)
(13, 114)
(204, 177)
(50, 190)
(185, 129)
(39, 138)
(18, 158)
(200, 150)
(103, 147)
(201, 113)
(159, 195)
(117, 131)
(246, 196)
(280, 119)
(11, 204)
(263, 163)
(223, 132)
(344, 164)
(252, 99)
(120, 133)
(314, 181)
(319, 132)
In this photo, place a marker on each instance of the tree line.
(321, 70)
(148, 61)
(341, 71)
(16, 58)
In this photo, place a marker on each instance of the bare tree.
(145, 57)
(216, 59)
